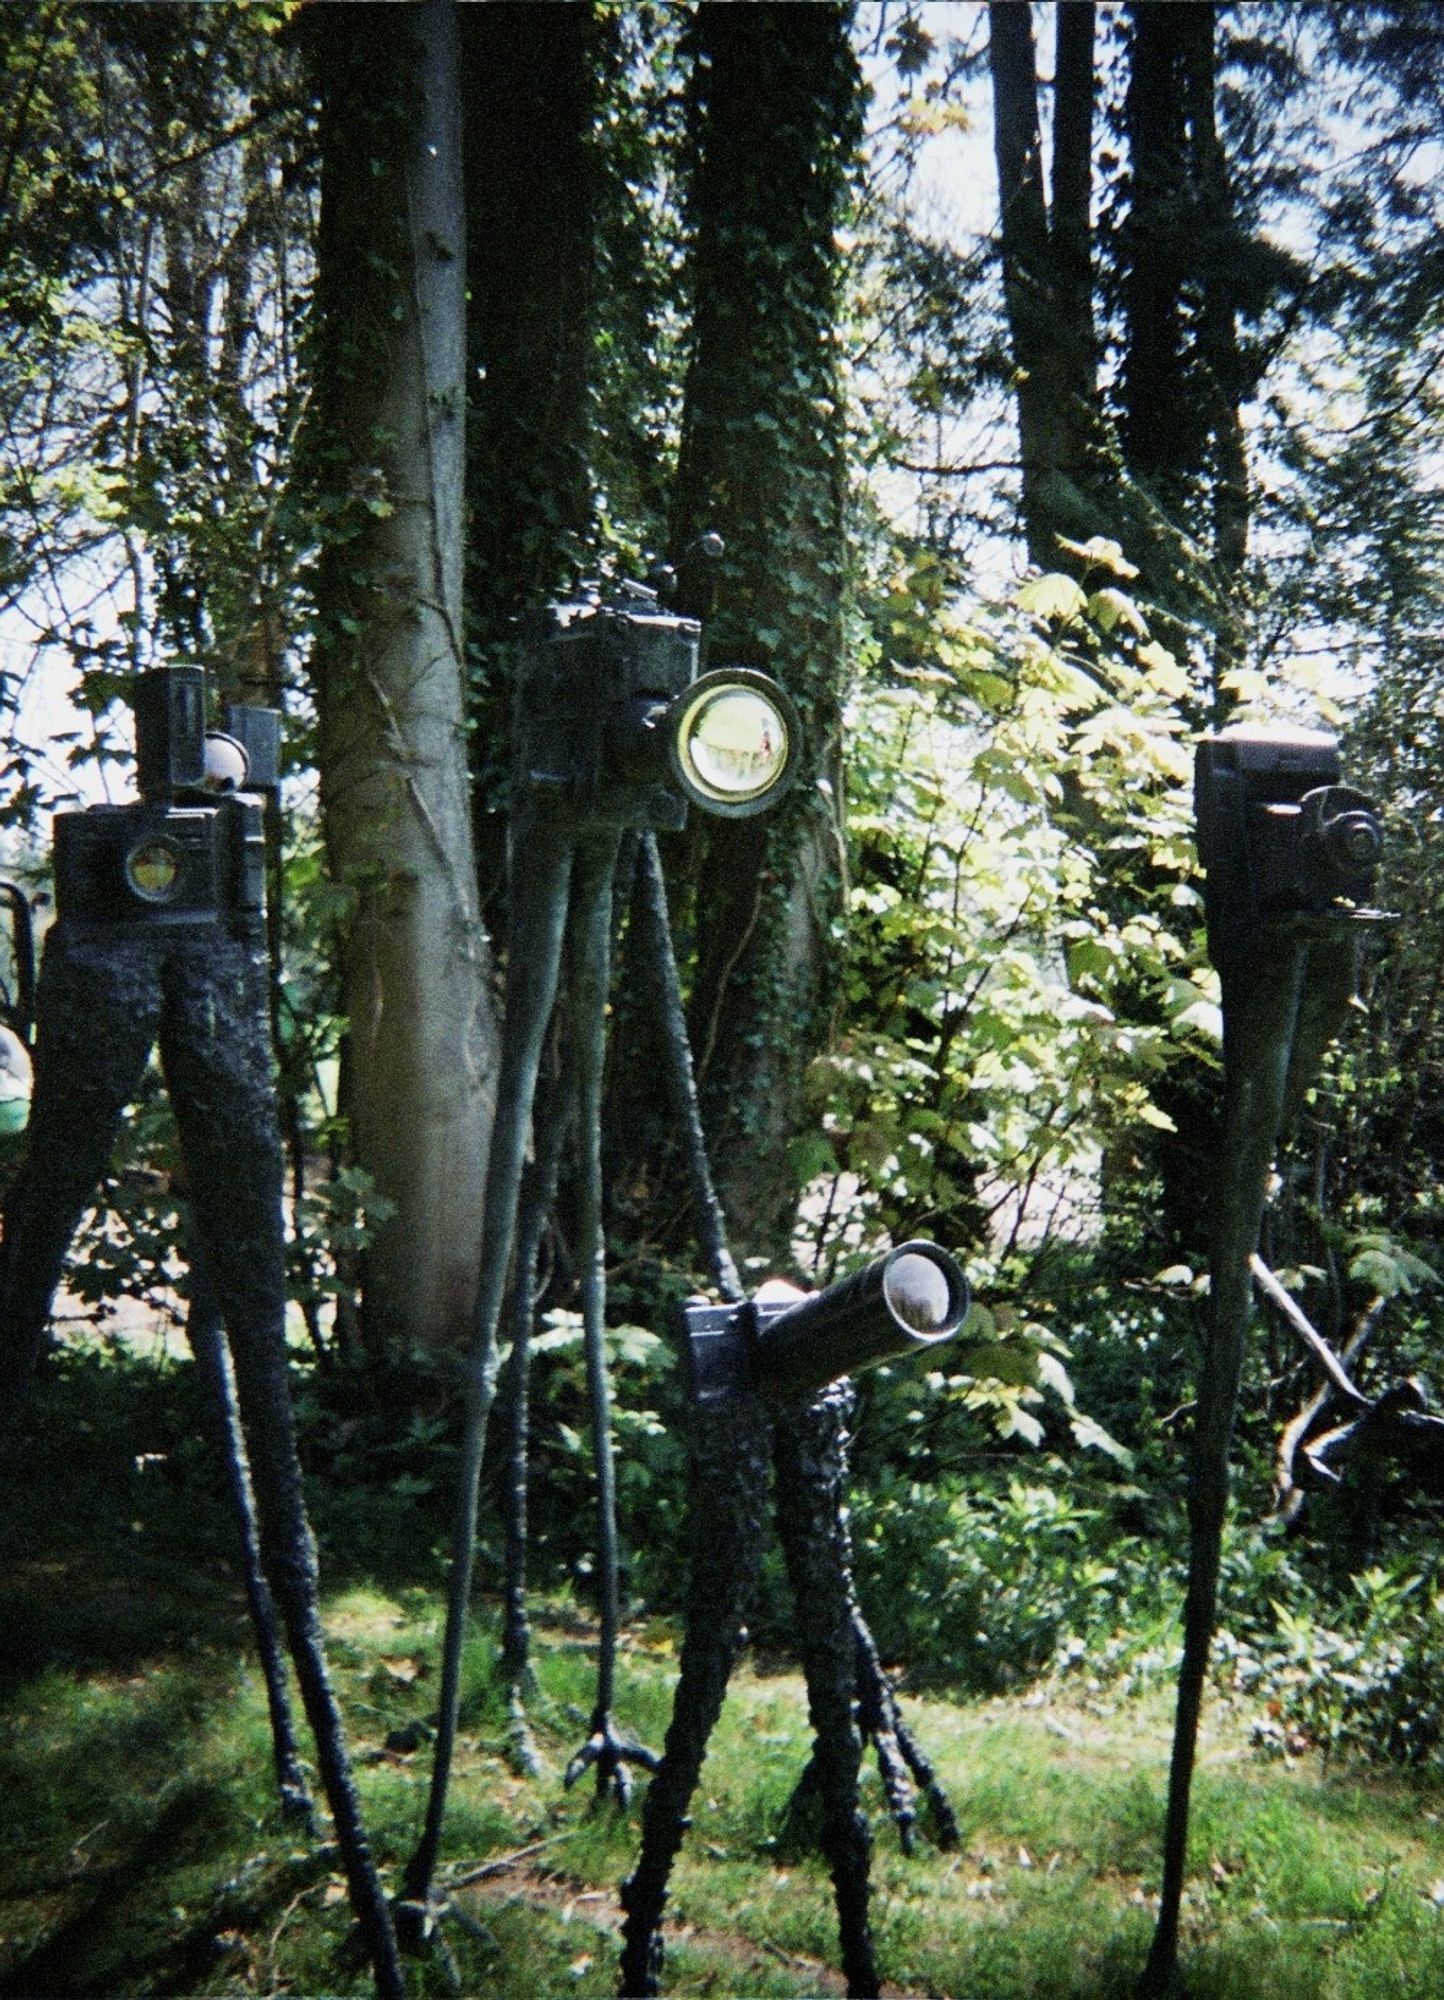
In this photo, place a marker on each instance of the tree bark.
(387, 662)
(528, 75)
(774, 101)
(1047, 266)
(1227, 380)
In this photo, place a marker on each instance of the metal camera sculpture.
(614, 735)
(1291, 854)
(159, 934)
(754, 1369)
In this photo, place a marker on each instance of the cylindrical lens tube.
(912, 1298)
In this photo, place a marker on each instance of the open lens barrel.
(913, 1298)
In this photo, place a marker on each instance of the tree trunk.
(387, 662)
(1047, 267)
(528, 75)
(774, 100)
(1227, 378)
(1161, 442)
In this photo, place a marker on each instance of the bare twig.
(499, 1863)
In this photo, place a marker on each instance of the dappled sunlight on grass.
(141, 1850)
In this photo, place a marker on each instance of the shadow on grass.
(78, 1954)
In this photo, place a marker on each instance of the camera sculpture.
(159, 935)
(754, 1368)
(615, 734)
(1291, 854)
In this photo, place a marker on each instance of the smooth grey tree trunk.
(388, 660)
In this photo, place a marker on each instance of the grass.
(141, 1852)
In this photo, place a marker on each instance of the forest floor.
(141, 1851)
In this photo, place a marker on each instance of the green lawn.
(140, 1851)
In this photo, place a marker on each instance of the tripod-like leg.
(539, 878)
(681, 1076)
(216, 1052)
(725, 1532)
(810, 1458)
(900, 1760)
(1260, 1015)
(207, 1340)
(902, 1765)
(97, 1010)
(591, 933)
(553, 1116)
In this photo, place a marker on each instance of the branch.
(980, 465)
(1397, 1426)
(1274, 1292)
(1290, 1493)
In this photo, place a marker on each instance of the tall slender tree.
(531, 171)
(387, 454)
(1046, 239)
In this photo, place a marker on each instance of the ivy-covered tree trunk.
(529, 92)
(774, 119)
(387, 450)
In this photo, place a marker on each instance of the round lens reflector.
(153, 870)
(735, 742)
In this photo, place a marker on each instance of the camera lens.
(1353, 842)
(733, 741)
(737, 744)
(153, 870)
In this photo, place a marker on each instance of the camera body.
(594, 679)
(192, 847)
(614, 727)
(1280, 835)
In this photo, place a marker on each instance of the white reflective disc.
(226, 763)
(918, 1291)
(733, 744)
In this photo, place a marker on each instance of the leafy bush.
(1370, 1684)
(983, 1591)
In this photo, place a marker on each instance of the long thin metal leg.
(726, 1531)
(206, 1337)
(900, 1757)
(1260, 1015)
(539, 878)
(681, 1076)
(809, 1459)
(98, 1008)
(215, 1048)
(552, 1118)
(591, 935)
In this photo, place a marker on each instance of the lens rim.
(697, 696)
(960, 1298)
(150, 844)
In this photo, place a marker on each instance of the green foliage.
(1361, 1678)
(650, 1452)
(983, 1590)
(1022, 959)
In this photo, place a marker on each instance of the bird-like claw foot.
(610, 1753)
